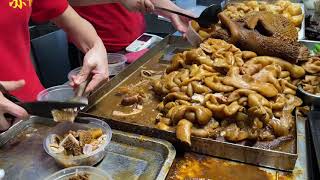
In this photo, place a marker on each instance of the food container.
(117, 62)
(56, 93)
(88, 160)
(93, 173)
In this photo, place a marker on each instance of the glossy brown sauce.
(194, 166)
(111, 102)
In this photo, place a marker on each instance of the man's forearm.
(166, 4)
(81, 31)
(90, 2)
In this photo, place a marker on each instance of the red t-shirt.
(116, 26)
(15, 41)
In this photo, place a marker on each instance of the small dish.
(92, 172)
(81, 160)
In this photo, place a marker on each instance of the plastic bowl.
(192, 36)
(117, 62)
(82, 160)
(93, 172)
(56, 93)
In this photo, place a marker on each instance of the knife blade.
(42, 108)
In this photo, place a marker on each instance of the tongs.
(208, 16)
(40, 108)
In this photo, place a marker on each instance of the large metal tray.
(101, 105)
(128, 156)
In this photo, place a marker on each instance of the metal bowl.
(308, 98)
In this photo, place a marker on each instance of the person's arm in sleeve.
(179, 22)
(133, 5)
(86, 39)
(90, 2)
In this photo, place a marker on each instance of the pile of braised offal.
(292, 11)
(311, 82)
(219, 91)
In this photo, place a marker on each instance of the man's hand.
(138, 5)
(179, 22)
(7, 106)
(95, 62)
(85, 38)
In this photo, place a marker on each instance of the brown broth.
(194, 166)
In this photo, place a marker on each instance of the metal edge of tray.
(276, 159)
(171, 152)
(262, 157)
(309, 43)
(167, 147)
(12, 131)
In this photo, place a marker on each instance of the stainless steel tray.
(128, 156)
(100, 104)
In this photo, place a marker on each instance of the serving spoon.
(208, 16)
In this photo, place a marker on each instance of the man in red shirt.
(117, 26)
(17, 72)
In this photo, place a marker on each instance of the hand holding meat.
(95, 63)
